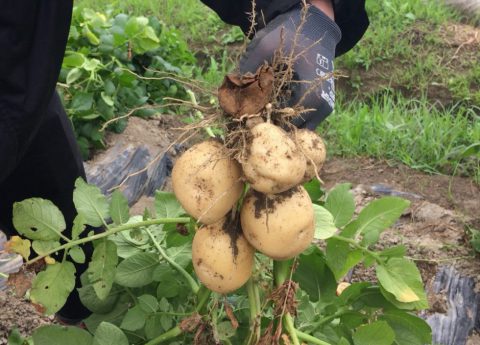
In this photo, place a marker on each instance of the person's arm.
(33, 36)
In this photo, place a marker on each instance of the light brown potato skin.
(214, 261)
(287, 229)
(313, 148)
(274, 163)
(206, 182)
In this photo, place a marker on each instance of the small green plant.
(141, 287)
(105, 55)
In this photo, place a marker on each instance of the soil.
(433, 228)
(455, 46)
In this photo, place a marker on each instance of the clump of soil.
(18, 313)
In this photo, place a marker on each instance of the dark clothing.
(39, 156)
(350, 16)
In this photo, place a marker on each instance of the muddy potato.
(313, 148)
(222, 263)
(206, 181)
(280, 226)
(273, 164)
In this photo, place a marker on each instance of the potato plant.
(142, 288)
(107, 59)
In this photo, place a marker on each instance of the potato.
(206, 182)
(280, 226)
(221, 261)
(313, 148)
(273, 164)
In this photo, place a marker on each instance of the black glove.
(316, 41)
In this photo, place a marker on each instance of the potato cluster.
(276, 216)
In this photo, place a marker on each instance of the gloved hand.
(316, 41)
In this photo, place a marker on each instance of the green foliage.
(38, 219)
(107, 58)
(140, 282)
(52, 286)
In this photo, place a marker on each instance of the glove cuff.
(319, 26)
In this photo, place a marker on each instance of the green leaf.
(379, 215)
(148, 303)
(181, 255)
(341, 204)
(90, 203)
(109, 334)
(225, 330)
(376, 333)
(78, 226)
(73, 59)
(137, 270)
(51, 287)
(314, 189)
(314, 276)
(107, 99)
(115, 315)
(43, 247)
(77, 254)
(89, 297)
(153, 326)
(168, 286)
(324, 223)
(101, 270)
(15, 338)
(401, 278)
(73, 75)
(58, 335)
(409, 329)
(394, 252)
(38, 219)
(167, 206)
(341, 258)
(119, 210)
(134, 319)
(82, 101)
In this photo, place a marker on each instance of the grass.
(413, 132)
(412, 46)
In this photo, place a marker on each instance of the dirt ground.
(433, 229)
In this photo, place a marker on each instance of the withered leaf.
(246, 94)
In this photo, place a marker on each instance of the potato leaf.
(401, 278)
(119, 210)
(90, 203)
(341, 258)
(38, 219)
(324, 223)
(375, 333)
(109, 334)
(19, 246)
(52, 286)
(378, 216)
(58, 335)
(77, 254)
(341, 204)
(43, 247)
(314, 276)
(137, 270)
(167, 206)
(409, 329)
(101, 270)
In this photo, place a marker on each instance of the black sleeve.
(350, 16)
(33, 36)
